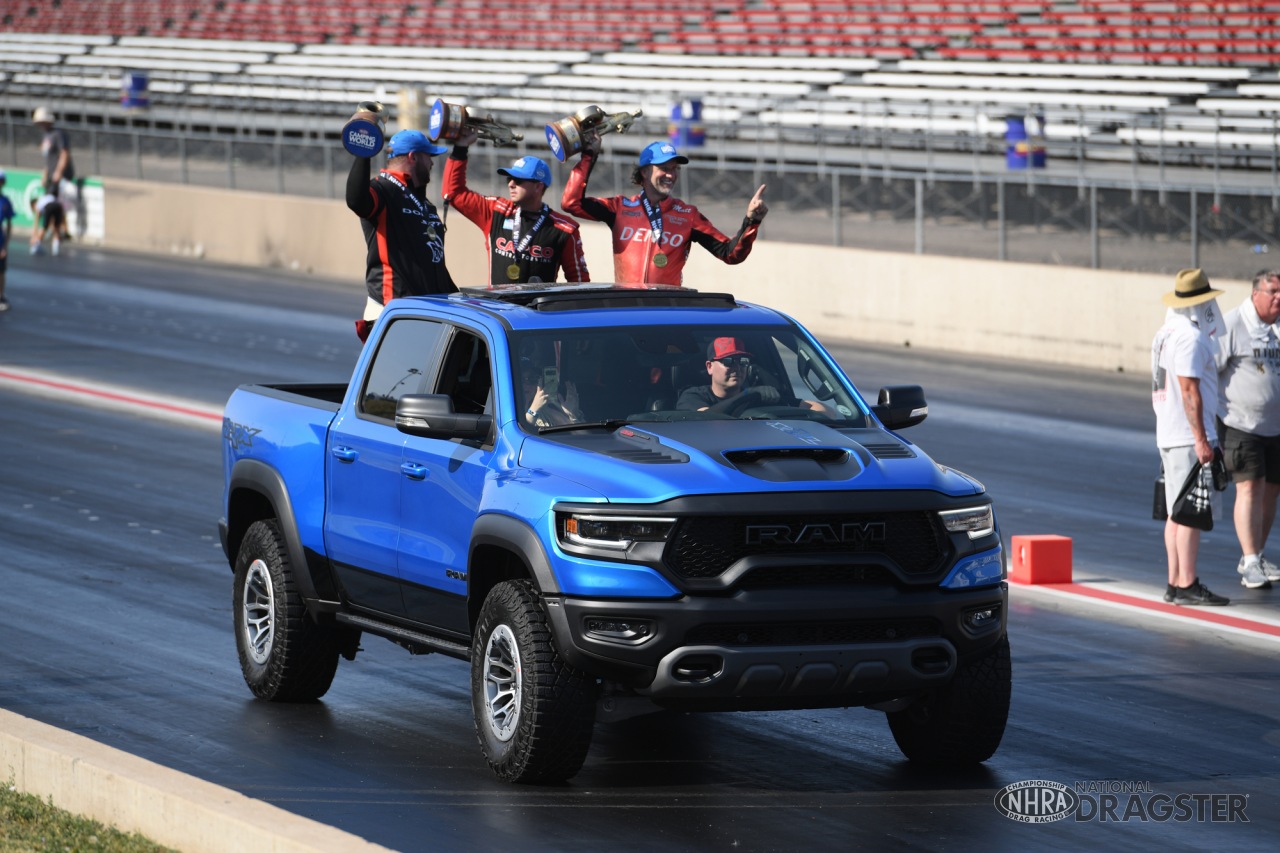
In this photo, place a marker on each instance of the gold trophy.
(449, 121)
(567, 136)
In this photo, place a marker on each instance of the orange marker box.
(1040, 559)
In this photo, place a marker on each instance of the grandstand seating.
(922, 65)
(1152, 31)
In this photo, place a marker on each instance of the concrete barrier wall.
(134, 795)
(1061, 315)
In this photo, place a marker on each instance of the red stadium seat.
(1200, 32)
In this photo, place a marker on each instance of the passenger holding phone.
(550, 402)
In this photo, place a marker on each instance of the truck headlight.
(613, 531)
(976, 521)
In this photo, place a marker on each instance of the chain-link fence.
(1139, 220)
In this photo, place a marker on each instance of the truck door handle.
(414, 470)
(346, 454)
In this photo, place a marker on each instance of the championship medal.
(659, 260)
(513, 272)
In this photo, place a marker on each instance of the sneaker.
(1170, 593)
(37, 249)
(1198, 593)
(4, 304)
(1251, 576)
(1270, 569)
(57, 244)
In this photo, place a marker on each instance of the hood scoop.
(789, 464)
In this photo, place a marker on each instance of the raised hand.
(540, 399)
(756, 208)
(571, 399)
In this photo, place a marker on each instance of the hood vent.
(890, 450)
(627, 445)
(789, 464)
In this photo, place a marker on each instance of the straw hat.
(1191, 287)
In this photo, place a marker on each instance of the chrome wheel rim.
(502, 680)
(258, 608)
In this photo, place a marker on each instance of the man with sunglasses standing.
(527, 241)
(654, 231)
(403, 232)
(1249, 379)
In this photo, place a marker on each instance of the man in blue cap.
(526, 240)
(403, 232)
(653, 231)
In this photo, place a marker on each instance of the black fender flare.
(261, 479)
(511, 534)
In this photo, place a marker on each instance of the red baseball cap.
(725, 347)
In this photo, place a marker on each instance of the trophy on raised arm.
(449, 121)
(567, 136)
(365, 132)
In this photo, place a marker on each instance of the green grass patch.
(29, 824)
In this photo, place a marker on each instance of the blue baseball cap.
(529, 168)
(408, 141)
(657, 153)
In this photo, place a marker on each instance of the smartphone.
(551, 380)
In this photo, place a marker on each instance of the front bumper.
(789, 648)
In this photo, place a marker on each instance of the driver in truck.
(729, 366)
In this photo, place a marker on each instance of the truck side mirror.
(901, 406)
(432, 416)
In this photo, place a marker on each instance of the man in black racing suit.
(403, 232)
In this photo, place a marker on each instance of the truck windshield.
(663, 373)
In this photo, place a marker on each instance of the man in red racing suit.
(526, 240)
(653, 232)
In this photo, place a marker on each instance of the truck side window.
(465, 374)
(403, 364)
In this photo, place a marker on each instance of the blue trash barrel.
(133, 90)
(1024, 147)
(686, 129)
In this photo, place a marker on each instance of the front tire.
(960, 724)
(284, 655)
(533, 711)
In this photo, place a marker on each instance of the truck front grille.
(704, 547)
(775, 576)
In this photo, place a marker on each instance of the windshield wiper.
(610, 424)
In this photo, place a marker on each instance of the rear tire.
(960, 724)
(284, 655)
(533, 712)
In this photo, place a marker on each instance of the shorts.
(1251, 457)
(1178, 462)
(52, 214)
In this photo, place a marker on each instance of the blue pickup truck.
(611, 499)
